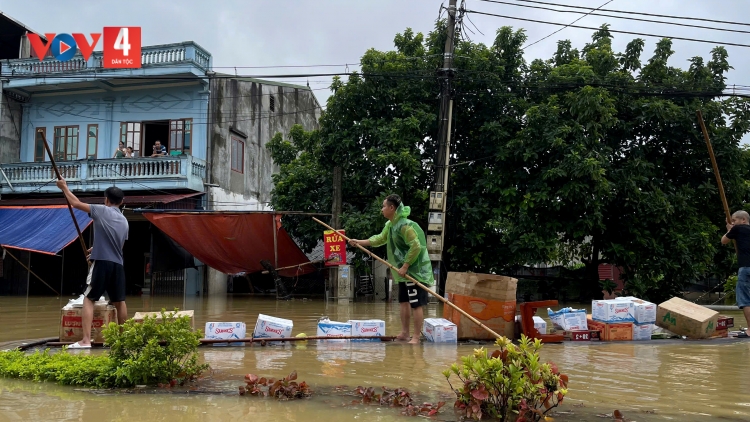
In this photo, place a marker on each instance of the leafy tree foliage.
(592, 155)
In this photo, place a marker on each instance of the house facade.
(215, 128)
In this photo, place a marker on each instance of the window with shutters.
(180, 135)
(66, 143)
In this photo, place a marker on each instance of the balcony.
(175, 172)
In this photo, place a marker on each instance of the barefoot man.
(107, 272)
(739, 231)
(407, 251)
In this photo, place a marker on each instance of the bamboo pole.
(716, 171)
(70, 207)
(296, 266)
(29, 270)
(422, 286)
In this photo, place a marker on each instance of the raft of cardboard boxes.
(487, 297)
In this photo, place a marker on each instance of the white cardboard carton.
(613, 310)
(568, 319)
(272, 327)
(226, 330)
(440, 330)
(643, 312)
(334, 329)
(642, 331)
(367, 328)
(539, 323)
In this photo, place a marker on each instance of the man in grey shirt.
(106, 272)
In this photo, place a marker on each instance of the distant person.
(107, 272)
(121, 151)
(159, 150)
(407, 251)
(739, 230)
(129, 153)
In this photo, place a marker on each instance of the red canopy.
(233, 242)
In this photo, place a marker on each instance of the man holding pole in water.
(739, 231)
(107, 271)
(407, 251)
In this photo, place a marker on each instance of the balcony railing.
(154, 55)
(184, 171)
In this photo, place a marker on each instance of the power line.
(611, 30)
(592, 13)
(637, 13)
(542, 39)
(98, 76)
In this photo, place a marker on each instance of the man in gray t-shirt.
(106, 272)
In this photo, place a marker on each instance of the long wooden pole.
(70, 207)
(422, 286)
(29, 270)
(296, 266)
(716, 170)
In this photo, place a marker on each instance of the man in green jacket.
(407, 251)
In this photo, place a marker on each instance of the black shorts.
(411, 293)
(106, 276)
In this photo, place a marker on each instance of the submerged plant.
(396, 398)
(285, 388)
(511, 384)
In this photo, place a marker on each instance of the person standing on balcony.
(159, 150)
(120, 152)
(106, 272)
(407, 251)
(129, 153)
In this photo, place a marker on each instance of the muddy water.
(647, 381)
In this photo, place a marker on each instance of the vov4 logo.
(122, 46)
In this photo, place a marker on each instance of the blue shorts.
(743, 287)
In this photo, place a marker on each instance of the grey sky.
(305, 32)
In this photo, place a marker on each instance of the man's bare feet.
(414, 340)
(403, 337)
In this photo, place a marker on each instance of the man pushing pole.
(407, 251)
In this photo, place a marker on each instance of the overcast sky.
(314, 32)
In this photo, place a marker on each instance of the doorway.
(154, 130)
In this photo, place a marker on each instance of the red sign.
(122, 46)
(335, 248)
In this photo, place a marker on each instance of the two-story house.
(214, 126)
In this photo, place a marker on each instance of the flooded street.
(647, 381)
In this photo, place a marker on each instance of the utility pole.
(333, 272)
(439, 197)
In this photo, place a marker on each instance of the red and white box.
(367, 328)
(272, 327)
(440, 330)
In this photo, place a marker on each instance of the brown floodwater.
(647, 381)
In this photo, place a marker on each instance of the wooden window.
(66, 143)
(130, 134)
(238, 155)
(180, 135)
(92, 142)
(39, 152)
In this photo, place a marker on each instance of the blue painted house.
(215, 128)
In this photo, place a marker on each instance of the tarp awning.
(46, 229)
(232, 243)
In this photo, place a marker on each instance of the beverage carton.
(71, 322)
(367, 328)
(440, 330)
(568, 319)
(539, 323)
(642, 331)
(643, 312)
(272, 327)
(226, 330)
(332, 329)
(724, 323)
(617, 331)
(613, 310)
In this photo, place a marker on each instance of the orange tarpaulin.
(233, 242)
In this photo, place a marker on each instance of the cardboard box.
(367, 328)
(618, 331)
(498, 316)
(721, 333)
(440, 330)
(724, 322)
(71, 321)
(568, 319)
(642, 331)
(578, 335)
(140, 316)
(225, 330)
(272, 327)
(539, 323)
(611, 311)
(686, 318)
(488, 286)
(334, 329)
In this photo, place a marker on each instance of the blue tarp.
(45, 229)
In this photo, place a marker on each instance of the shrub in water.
(510, 384)
(148, 353)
